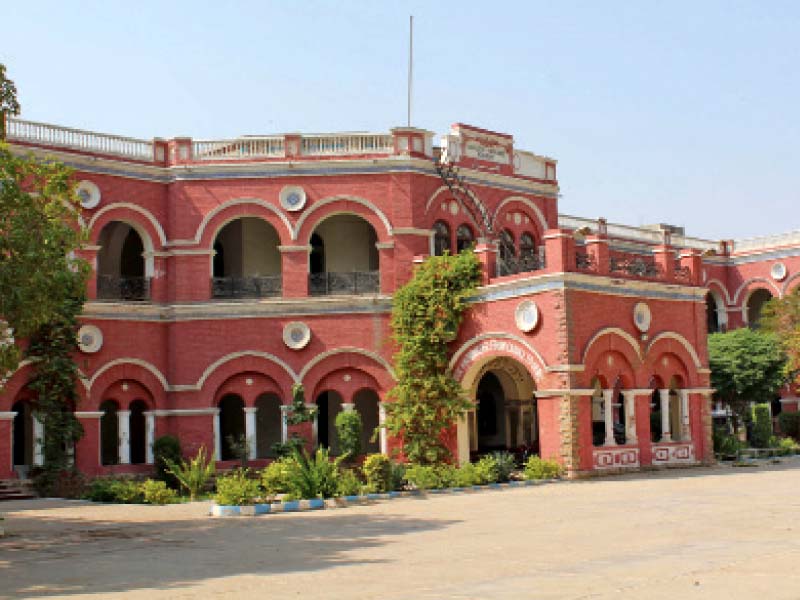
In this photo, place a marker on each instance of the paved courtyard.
(697, 533)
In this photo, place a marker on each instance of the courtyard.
(718, 532)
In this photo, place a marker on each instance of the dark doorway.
(268, 424)
(138, 432)
(23, 433)
(231, 425)
(317, 264)
(491, 414)
(109, 433)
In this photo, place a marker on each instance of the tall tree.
(781, 316)
(8, 100)
(746, 366)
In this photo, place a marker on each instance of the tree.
(8, 100)
(41, 282)
(426, 316)
(781, 316)
(746, 366)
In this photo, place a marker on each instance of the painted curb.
(345, 501)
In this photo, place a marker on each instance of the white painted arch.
(776, 291)
(234, 355)
(162, 238)
(341, 198)
(130, 361)
(496, 335)
(241, 202)
(522, 200)
(673, 335)
(612, 331)
(347, 350)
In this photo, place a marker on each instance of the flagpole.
(410, 62)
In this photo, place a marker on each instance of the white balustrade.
(346, 144)
(239, 149)
(768, 241)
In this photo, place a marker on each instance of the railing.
(77, 139)
(682, 273)
(635, 266)
(242, 148)
(585, 261)
(345, 144)
(511, 265)
(123, 288)
(246, 287)
(769, 241)
(356, 282)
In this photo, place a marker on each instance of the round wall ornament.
(88, 193)
(526, 315)
(90, 339)
(296, 335)
(293, 197)
(778, 271)
(642, 316)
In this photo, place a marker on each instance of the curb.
(345, 501)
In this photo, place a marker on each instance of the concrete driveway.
(696, 533)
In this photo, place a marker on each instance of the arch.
(753, 304)
(528, 203)
(109, 432)
(716, 314)
(776, 292)
(367, 402)
(125, 262)
(212, 368)
(266, 211)
(346, 350)
(673, 335)
(371, 213)
(231, 425)
(351, 259)
(722, 289)
(497, 344)
(788, 285)
(157, 229)
(442, 241)
(616, 331)
(435, 194)
(119, 364)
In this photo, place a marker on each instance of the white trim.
(89, 414)
(185, 412)
(239, 202)
(346, 350)
(527, 202)
(613, 330)
(433, 196)
(556, 393)
(130, 361)
(496, 335)
(341, 198)
(722, 287)
(234, 355)
(413, 231)
(136, 208)
(672, 335)
(786, 283)
(739, 290)
(7, 415)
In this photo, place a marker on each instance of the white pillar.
(348, 406)
(630, 417)
(38, 441)
(666, 436)
(285, 410)
(124, 436)
(608, 413)
(384, 441)
(150, 436)
(217, 440)
(9, 416)
(250, 433)
(686, 430)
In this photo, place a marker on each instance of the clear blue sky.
(679, 112)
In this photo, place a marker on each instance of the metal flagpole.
(410, 61)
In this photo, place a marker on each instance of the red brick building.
(225, 271)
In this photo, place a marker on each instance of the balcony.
(232, 288)
(353, 283)
(135, 289)
(511, 265)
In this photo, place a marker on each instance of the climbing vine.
(426, 315)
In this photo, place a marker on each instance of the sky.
(658, 112)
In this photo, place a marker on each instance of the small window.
(441, 238)
(464, 238)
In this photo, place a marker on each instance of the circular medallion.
(293, 197)
(526, 316)
(642, 316)
(296, 335)
(779, 271)
(88, 193)
(90, 339)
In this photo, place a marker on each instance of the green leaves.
(426, 315)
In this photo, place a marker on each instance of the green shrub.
(789, 422)
(726, 444)
(167, 448)
(486, 471)
(377, 469)
(762, 426)
(398, 478)
(155, 491)
(788, 446)
(101, 490)
(193, 474)
(236, 489)
(312, 476)
(434, 477)
(506, 463)
(348, 483)
(466, 475)
(275, 477)
(283, 449)
(348, 430)
(537, 468)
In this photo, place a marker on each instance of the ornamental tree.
(8, 100)
(746, 366)
(781, 316)
(426, 315)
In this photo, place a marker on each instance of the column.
(686, 430)
(285, 409)
(630, 417)
(123, 433)
(7, 451)
(217, 441)
(250, 432)
(38, 441)
(150, 436)
(348, 406)
(608, 414)
(88, 447)
(384, 442)
(664, 398)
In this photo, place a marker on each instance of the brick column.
(294, 269)
(87, 449)
(642, 399)
(7, 444)
(386, 265)
(559, 250)
(597, 248)
(89, 254)
(665, 258)
(487, 256)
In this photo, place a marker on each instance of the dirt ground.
(696, 533)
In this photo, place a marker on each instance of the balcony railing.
(263, 286)
(356, 282)
(123, 288)
(77, 139)
(344, 144)
(585, 261)
(512, 265)
(635, 266)
(243, 148)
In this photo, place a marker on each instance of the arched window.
(441, 238)
(464, 238)
(528, 256)
(246, 263)
(109, 433)
(350, 264)
(121, 272)
(755, 304)
(268, 424)
(231, 425)
(507, 254)
(138, 432)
